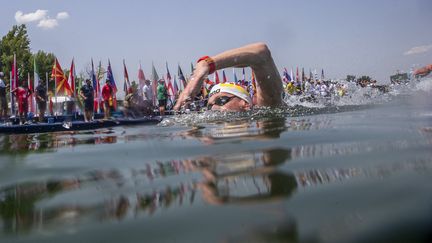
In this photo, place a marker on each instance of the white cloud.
(41, 16)
(22, 18)
(48, 23)
(62, 15)
(418, 50)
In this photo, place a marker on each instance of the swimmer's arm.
(258, 57)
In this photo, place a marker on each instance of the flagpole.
(11, 95)
(47, 86)
(55, 86)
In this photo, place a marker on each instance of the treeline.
(17, 42)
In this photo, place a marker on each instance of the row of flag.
(291, 77)
(67, 86)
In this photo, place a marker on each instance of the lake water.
(359, 170)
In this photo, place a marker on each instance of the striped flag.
(224, 78)
(181, 77)
(71, 78)
(216, 78)
(168, 83)
(286, 77)
(176, 88)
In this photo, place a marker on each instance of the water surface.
(359, 170)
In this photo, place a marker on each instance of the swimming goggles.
(220, 101)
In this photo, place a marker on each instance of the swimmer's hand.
(193, 87)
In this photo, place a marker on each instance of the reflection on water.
(24, 143)
(248, 177)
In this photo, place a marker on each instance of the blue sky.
(368, 37)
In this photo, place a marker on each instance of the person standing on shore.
(162, 96)
(87, 95)
(41, 99)
(107, 95)
(3, 100)
(22, 94)
(147, 94)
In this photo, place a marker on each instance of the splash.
(302, 105)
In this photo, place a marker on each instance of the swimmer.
(231, 97)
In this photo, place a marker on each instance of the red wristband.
(210, 62)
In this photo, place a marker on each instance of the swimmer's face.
(227, 102)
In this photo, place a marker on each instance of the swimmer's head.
(233, 89)
(229, 97)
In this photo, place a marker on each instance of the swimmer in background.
(231, 97)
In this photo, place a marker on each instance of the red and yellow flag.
(62, 85)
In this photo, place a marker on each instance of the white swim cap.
(230, 88)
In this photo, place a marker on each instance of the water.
(359, 170)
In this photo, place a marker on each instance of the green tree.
(44, 64)
(16, 41)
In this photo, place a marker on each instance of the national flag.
(303, 75)
(62, 86)
(71, 78)
(224, 78)
(35, 73)
(168, 83)
(30, 98)
(126, 78)
(181, 77)
(322, 74)
(297, 75)
(95, 83)
(110, 77)
(13, 84)
(176, 88)
(35, 81)
(235, 77)
(155, 78)
(292, 75)
(99, 77)
(14, 78)
(141, 78)
(192, 68)
(286, 77)
(253, 83)
(243, 83)
(310, 75)
(217, 80)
